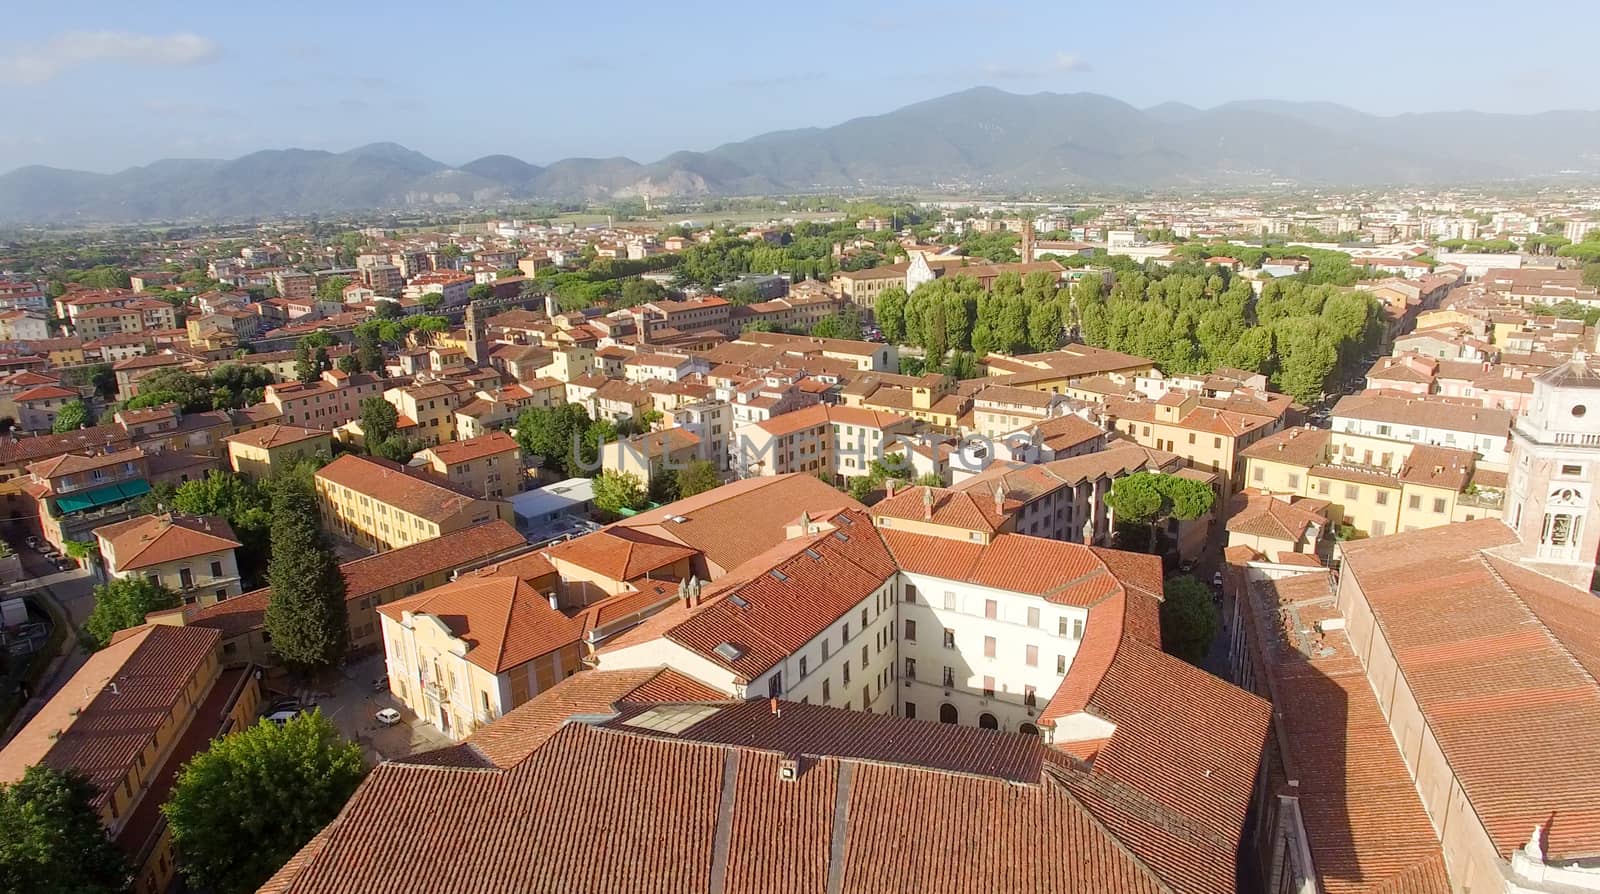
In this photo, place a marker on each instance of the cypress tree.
(306, 613)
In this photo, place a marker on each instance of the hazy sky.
(102, 85)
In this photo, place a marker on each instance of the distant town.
(1188, 544)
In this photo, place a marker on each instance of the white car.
(282, 717)
(388, 717)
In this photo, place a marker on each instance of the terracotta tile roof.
(1501, 663)
(1295, 446)
(504, 621)
(275, 435)
(620, 553)
(1263, 515)
(734, 523)
(707, 810)
(1362, 816)
(150, 540)
(1424, 411)
(46, 392)
(491, 444)
(1437, 467)
(953, 508)
(509, 740)
(73, 463)
(108, 712)
(392, 485)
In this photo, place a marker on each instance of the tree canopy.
(306, 614)
(123, 603)
(616, 491)
(1188, 619)
(240, 809)
(73, 415)
(697, 477)
(51, 839)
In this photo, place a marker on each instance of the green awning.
(102, 496)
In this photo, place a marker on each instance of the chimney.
(888, 487)
(927, 504)
(999, 500)
(772, 704)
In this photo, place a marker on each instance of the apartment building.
(128, 719)
(1002, 409)
(259, 452)
(841, 442)
(489, 466)
(294, 284)
(75, 493)
(330, 401)
(1375, 487)
(1053, 371)
(1461, 424)
(427, 409)
(381, 505)
(1209, 433)
(98, 322)
(463, 654)
(192, 556)
(37, 407)
(453, 286)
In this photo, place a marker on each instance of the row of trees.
(228, 387)
(617, 491)
(550, 434)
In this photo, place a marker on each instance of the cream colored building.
(258, 452)
(461, 655)
(189, 555)
(379, 505)
(489, 466)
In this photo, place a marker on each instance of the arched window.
(1028, 729)
(947, 713)
(987, 721)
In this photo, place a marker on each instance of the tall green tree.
(890, 312)
(51, 840)
(616, 491)
(1188, 619)
(697, 477)
(269, 785)
(332, 288)
(73, 415)
(123, 603)
(1150, 498)
(379, 420)
(306, 614)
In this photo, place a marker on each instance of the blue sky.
(101, 85)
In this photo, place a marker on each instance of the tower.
(477, 347)
(1554, 481)
(1027, 240)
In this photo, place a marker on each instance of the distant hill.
(979, 139)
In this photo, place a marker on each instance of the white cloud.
(42, 62)
(1059, 64)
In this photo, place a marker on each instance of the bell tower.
(1553, 490)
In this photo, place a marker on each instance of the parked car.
(284, 703)
(388, 716)
(282, 717)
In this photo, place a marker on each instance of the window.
(988, 647)
(1415, 502)
(824, 648)
(1294, 481)
(216, 569)
(1572, 471)
(991, 609)
(911, 593)
(844, 633)
(1032, 656)
(1030, 697)
(185, 578)
(948, 678)
(803, 666)
(826, 695)
(1191, 437)
(1351, 492)
(775, 685)
(1061, 626)
(847, 673)
(864, 655)
(949, 638)
(1033, 617)
(1381, 497)
(1061, 665)
(863, 619)
(1379, 528)
(949, 600)
(1438, 505)
(1216, 443)
(988, 687)
(1077, 629)
(1257, 473)
(911, 668)
(911, 631)
(911, 711)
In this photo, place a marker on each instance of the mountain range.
(982, 139)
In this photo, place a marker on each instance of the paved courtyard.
(351, 704)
